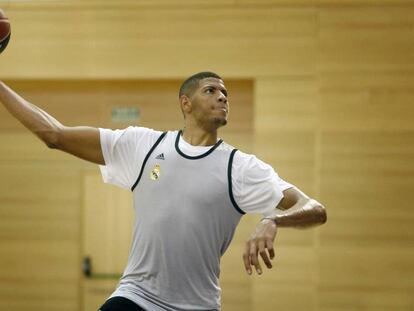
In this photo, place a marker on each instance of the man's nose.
(222, 98)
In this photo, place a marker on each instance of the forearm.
(33, 118)
(303, 214)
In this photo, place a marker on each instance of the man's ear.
(185, 104)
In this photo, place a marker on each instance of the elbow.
(51, 138)
(52, 145)
(319, 212)
(322, 216)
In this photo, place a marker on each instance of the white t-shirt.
(256, 186)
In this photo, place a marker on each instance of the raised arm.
(80, 141)
(297, 210)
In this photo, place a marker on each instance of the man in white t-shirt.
(190, 190)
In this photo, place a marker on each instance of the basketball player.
(190, 190)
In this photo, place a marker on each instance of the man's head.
(191, 84)
(203, 100)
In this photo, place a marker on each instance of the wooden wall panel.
(294, 275)
(39, 237)
(107, 224)
(108, 217)
(367, 109)
(286, 119)
(236, 284)
(364, 40)
(287, 103)
(367, 243)
(371, 173)
(366, 167)
(21, 145)
(354, 278)
(162, 43)
(333, 114)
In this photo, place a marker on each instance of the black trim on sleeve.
(146, 159)
(194, 157)
(230, 184)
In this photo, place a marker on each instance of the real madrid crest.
(156, 172)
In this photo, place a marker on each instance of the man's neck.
(198, 137)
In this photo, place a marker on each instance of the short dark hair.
(192, 83)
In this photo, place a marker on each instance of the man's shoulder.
(239, 155)
(245, 161)
(139, 132)
(130, 135)
(225, 147)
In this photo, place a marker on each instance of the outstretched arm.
(297, 210)
(81, 141)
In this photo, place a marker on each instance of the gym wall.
(323, 91)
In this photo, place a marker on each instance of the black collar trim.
(194, 157)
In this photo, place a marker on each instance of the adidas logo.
(160, 156)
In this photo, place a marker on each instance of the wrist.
(273, 219)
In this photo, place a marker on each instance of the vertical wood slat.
(367, 158)
(285, 133)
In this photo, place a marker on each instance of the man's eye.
(209, 91)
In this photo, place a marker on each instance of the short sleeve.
(257, 188)
(124, 152)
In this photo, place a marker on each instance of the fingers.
(254, 260)
(251, 258)
(246, 259)
(261, 240)
(270, 249)
(263, 254)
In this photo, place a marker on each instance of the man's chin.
(220, 122)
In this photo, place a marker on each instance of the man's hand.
(261, 240)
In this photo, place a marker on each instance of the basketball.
(5, 31)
